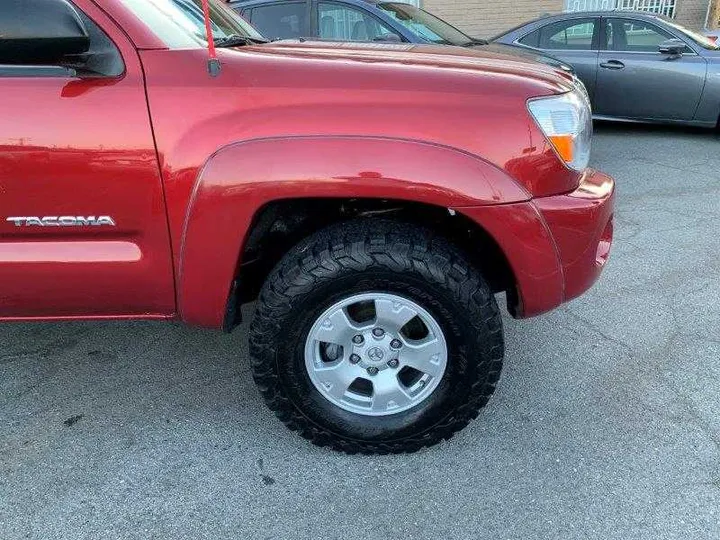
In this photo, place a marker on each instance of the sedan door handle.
(612, 64)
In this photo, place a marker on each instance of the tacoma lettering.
(62, 221)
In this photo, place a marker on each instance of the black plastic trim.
(37, 71)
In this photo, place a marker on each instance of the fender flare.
(239, 179)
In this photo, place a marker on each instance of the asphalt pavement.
(606, 422)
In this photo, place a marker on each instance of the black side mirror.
(40, 32)
(672, 47)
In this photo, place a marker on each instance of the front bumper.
(581, 224)
(556, 246)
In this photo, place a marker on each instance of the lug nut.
(395, 344)
(357, 340)
(354, 358)
(378, 332)
(372, 370)
(393, 363)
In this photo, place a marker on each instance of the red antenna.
(213, 62)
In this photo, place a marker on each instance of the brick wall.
(486, 18)
(692, 13)
(715, 15)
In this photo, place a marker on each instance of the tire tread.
(358, 246)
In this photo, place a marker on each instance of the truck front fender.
(241, 178)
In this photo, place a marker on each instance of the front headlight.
(566, 120)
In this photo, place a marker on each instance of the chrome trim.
(62, 221)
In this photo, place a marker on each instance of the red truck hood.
(411, 54)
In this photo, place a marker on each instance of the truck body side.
(371, 198)
(287, 123)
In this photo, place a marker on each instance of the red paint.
(82, 147)
(530, 249)
(223, 204)
(280, 121)
(556, 246)
(581, 224)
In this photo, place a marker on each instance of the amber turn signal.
(564, 145)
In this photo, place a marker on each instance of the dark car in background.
(365, 20)
(636, 66)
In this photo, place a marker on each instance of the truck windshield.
(180, 23)
(426, 25)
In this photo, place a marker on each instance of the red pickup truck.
(371, 198)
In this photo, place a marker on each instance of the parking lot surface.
(606, 422)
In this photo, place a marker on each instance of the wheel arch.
(279, 225)
(241, 181)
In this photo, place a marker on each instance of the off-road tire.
(383, 256)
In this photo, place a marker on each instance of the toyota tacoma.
(161, 160)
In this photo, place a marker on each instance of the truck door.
(83, 227)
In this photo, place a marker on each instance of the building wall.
(692, 13)
(714, 21)
(486, 18)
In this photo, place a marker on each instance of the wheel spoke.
(337, 328)
(335, 380)
(388, 393)
(392, 315)
(426, 356)
(376, 351)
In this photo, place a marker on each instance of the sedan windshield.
(181, 23)
(425, 25)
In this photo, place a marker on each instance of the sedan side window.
(280, 20)
(344, 23)
(634, 36)
(575, 34)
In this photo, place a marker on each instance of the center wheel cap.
(376, 354)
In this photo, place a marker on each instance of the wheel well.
(279, 225)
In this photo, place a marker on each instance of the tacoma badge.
(62, 221)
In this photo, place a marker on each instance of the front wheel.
(376, 337)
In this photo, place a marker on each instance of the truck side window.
(286, 20)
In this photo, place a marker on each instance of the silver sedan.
(637, 67)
